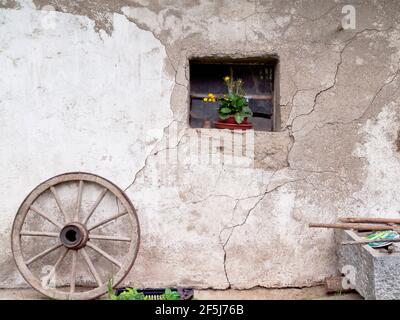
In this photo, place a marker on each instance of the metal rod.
(369, 220)
(355, 226)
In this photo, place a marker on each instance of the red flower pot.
(231, 123)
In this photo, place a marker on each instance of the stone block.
(375, 273)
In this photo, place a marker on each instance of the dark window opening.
(259, 77)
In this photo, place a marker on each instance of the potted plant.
(128, 293)
(233, 110)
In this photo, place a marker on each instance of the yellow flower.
(227, 78)
(210, 98)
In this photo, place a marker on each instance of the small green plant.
(133, 294)
(110, 290)
(127, 294)
(234, 103)
(170, 295)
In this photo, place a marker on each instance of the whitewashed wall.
(111, 98)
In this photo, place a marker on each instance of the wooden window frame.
(267, 62)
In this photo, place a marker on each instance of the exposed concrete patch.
(271, 154)
(9, 4)
(101, 12)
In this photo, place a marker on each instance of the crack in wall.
(320, 92)
(232, 228)
(152, 152)
(393, 77)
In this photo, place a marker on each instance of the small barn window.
(259, 77)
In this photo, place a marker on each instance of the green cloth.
(378, 235)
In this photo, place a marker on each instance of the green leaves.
(239, 117)
(110, 290)
(236, 106)
(234, 103)
(127, 294)
(240, 102)
(170, 295)
(225, 103)
(224, 116)
(246, 110)
(225, 110)
(133, 294)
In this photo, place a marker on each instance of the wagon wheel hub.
(74, 236)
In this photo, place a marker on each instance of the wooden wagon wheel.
(75, 235)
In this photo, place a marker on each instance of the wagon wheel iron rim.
(75, 235)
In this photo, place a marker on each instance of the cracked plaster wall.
(210, 226)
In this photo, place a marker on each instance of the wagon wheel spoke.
(42, 254)
(91, 266)
(58, 201)
(78, 201)
(45, 216)
(95, 205)
(111, 238)
(113, 217)
(58, 262)
(40, 234)
(103, 253)
(73, 272)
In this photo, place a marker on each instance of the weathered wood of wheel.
(81, 245)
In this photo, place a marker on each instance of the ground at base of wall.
(311, 293)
